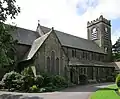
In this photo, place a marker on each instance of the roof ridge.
(74, 36)
(67, 33)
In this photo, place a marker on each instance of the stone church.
(60, 53)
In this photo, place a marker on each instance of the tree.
(116, 50)
(8, 9)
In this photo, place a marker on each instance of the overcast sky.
(69, 16)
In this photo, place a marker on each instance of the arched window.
(48, 64)
(57, 66)
(94, 33)
(53, 62)
(94, 30)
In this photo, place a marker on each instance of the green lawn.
(106, 93)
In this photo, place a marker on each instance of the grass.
(106, 93)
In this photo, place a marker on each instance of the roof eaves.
(36, 46)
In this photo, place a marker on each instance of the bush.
(39, 80)
(27, 72)
(34, 88)
(15, 81)
(27, 82)
(83, 79)
(52, 82)
(118, 80)
(27, 79)
(49, 88)
(59, 81)
(47, 79)
(12, 80)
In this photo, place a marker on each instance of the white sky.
(63, 16)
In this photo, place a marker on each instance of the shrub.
(52, 82)
(15, 81)
(12, 80)
(47, 79)
(83, 79)
(59, 81)
(2, 84)
(118, 80)
(48, 89)
(27, 79)
(27, 71)
(42, 90)
(27, 82)
(39, 80)
(34, 88)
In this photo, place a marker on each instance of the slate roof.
(32, 38)
(75, 42)
(24, 36)
(77, 62)
(35, 46)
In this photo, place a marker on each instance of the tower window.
(94, 34)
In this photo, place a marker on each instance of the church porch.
(94, 72)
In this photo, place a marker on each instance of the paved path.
(77, 92)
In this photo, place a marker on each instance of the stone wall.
(83, 54)
(50, 44)
(93, 73)
(103, 35)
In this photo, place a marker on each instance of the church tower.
(99, 31)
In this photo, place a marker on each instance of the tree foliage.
(116, 51)
(8, 9)
(116, 56)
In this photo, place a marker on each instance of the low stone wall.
(18, 96)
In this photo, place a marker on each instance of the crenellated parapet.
(100, 19)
